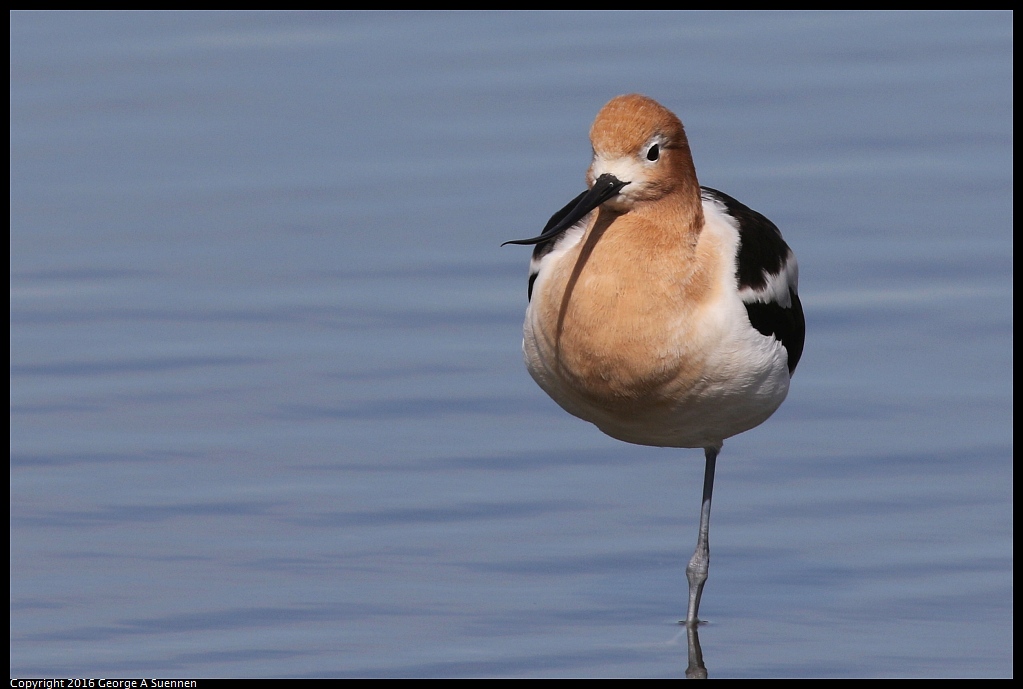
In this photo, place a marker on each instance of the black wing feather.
(543, 248)
(763, 254)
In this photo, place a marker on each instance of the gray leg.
(696, 572)
(696, 668)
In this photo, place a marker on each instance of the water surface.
(268, 410)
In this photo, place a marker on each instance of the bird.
(664, 313)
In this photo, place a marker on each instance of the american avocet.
(663, 312)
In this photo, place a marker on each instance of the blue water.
(268, 410)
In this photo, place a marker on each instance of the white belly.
(707, 380)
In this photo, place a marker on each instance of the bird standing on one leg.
(662, 312)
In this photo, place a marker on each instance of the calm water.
(268, 410)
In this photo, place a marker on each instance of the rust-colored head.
(642, 143)
(640, 155)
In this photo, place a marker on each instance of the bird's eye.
(654, 153)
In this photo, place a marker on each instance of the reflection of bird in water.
(663, 312)
(696, 669)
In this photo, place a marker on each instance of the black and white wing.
(767, 276)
